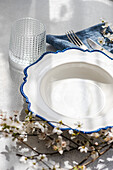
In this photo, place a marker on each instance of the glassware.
(27, 41)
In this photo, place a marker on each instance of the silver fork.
(73, 38)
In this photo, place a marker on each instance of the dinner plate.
(74, 85)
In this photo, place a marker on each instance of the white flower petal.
(70, 131)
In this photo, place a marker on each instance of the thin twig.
(28, 145)
(70, 140)
(34, 151)
(80, 163)
(110, 146)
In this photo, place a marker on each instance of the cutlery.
(96, 46)
(73, 38)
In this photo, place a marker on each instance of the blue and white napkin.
(61, 42)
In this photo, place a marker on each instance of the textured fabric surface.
(61, 42)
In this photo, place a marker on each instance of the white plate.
(72, 86)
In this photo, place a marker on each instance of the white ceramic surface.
(72, 86)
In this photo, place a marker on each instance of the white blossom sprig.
(107, 33)
(91, 144)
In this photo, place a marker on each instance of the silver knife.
(96, 46)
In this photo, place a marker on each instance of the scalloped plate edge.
(29, 103)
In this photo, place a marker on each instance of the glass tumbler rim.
(30, 35)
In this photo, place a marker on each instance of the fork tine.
(71, 38)
(67, 34)
(77, 37)
(74, 38)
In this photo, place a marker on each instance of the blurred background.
(59, 16)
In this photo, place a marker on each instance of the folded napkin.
(61, 42)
